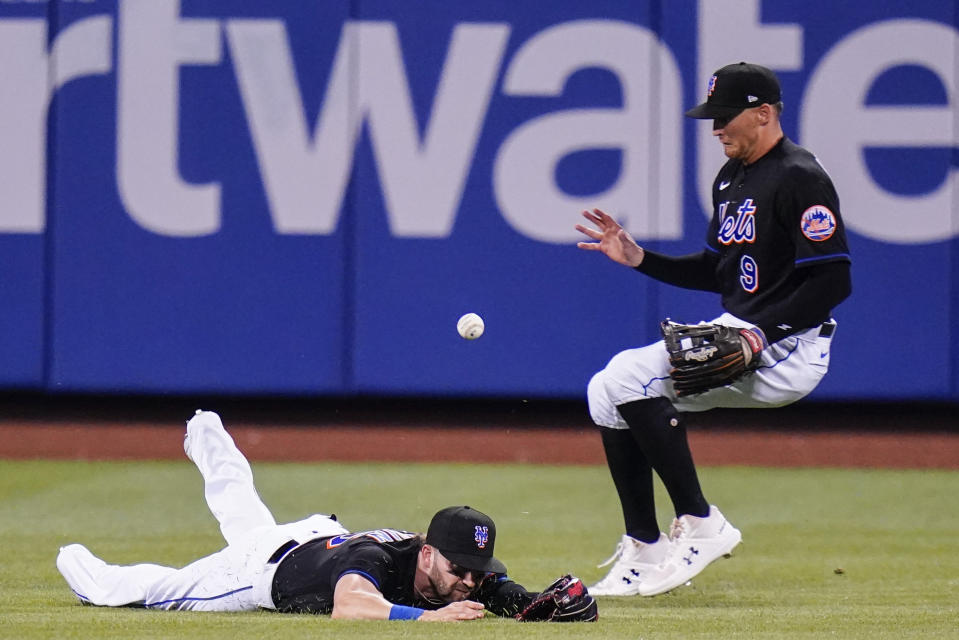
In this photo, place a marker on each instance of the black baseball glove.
(706, 356)
(566, 600)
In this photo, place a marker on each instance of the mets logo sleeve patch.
(818, 223)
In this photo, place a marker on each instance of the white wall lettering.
(838, 125)
(153, 43)
(646, 195)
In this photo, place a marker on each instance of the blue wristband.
(399, 612)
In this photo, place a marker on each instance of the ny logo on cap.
(481, 537)
(711, 87)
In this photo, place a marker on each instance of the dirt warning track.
(504, 431)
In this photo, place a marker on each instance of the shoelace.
(616, 555)
(677, 529)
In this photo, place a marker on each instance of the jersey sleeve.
(503, 597)
(811, 208)
(367, 560)
(823, 286)
(693, 271)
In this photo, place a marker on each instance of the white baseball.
(470, 326)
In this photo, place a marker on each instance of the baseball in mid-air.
(470, 326)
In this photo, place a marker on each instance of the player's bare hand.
(456, 612)
(610, 238)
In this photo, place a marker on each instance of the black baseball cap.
(465, 537)
(737, 87)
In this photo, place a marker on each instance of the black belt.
(285, 548)
(826, 329)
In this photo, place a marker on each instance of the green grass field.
(893, 534)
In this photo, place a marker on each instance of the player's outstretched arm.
(610, 238)
(356, 598)
(455, 612)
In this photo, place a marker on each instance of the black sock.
(633, 478)
(661, 435)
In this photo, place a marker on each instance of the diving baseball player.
(317, 566)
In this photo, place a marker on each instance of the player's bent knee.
(601, 407)
(596, 395)
(789, 398)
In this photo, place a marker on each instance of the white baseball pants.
(237, 578)
(791, 368)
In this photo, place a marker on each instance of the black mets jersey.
(306, 576)
(771, 219)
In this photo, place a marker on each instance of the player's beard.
(453, 593)
(442, 592)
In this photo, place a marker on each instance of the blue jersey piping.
(187, 598)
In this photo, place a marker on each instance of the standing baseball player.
(776, 253)
(317, 566)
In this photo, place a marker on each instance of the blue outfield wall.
(301, 197)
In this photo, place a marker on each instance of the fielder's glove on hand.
(706, 356)
(566, 600)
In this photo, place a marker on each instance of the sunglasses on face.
(462, 572)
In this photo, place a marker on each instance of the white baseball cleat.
(80, 568)
(193, 424)
(634, 560)
(693, 544)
